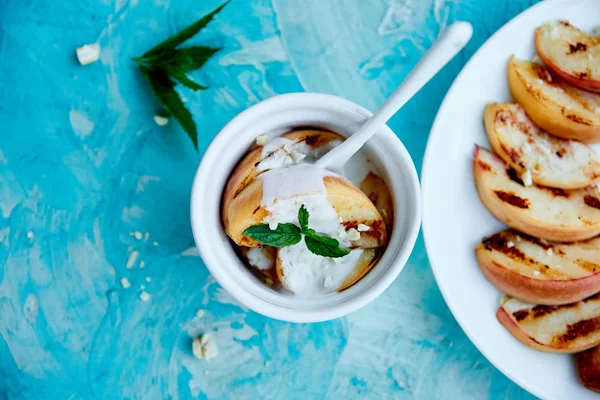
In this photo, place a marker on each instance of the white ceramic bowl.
(279, 113)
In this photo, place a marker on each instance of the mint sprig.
(284, 235)
(324, 246)
(164, 65)
(289, 234)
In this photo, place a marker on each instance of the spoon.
(443, 50)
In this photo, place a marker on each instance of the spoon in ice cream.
(443, 50)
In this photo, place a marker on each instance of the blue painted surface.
(82, 165)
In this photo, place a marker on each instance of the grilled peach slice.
(555, 106)
(316, 274)
(540, 272)
(537, 156)
(310, 143)
(352, 206)
(572, 54)
(588, 363)
(569, 328)
(378, 192)
(551, 214)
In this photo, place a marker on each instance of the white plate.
(454, 220)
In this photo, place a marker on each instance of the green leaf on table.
(164, 63)
(182, 78)
(177, 39)
(192, 58)
(284, 235)
(164, 90)
(184, 60)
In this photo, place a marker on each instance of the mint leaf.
(183, 60)
(192, 58)
(163, 87)
(185, 81)
(164, 61)
(324, 246)
(175, 40)
(303, 218)
(289, 234)
(285, 234)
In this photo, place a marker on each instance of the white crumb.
(161, 120)
(549, 252)
(200, 313)
(362, 228)
(125, 283)
(510, 244)
(148, 279)
(30, 235)
(138, 235)
(327, 282)
(142, 264)
(536, 273)
(155, 243)
(204, 347)
(146, 236)
(142, 287)
(353, 234)
(132, 258)
(297, 157)
(526, 178)
(272, 220)
(88, 53)
(261, 140)
(145, 296)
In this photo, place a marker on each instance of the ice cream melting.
(285, 190)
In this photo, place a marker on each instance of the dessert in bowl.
(266, 193)
(258, 177)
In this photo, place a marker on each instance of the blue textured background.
(82, 164)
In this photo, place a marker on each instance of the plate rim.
(426, 166)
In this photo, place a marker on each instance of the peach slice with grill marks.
(554, 105)
(304, 141)
(571, 53)
(531, 151)
(569, 328)
(540, 272)
(352, 206)
(552, 214)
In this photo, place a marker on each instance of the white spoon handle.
(443, 50)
